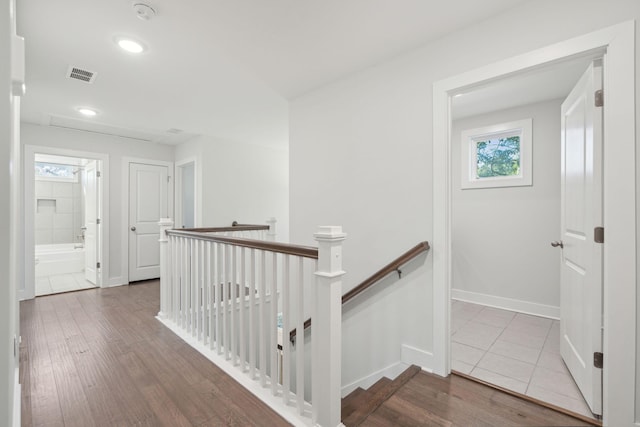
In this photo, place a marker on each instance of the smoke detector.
(144, 11)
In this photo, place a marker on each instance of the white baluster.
(234, 300)
(192, 288)
(175, 259)
(208, 296)
(264, 318)
(252, 318)
(299, 286)
(185, 284)
(286, 348)
(227, 300)
(327, 328)
(241, 300)
(218, 295)
(165, 270)
(196, 287)
(275, 353)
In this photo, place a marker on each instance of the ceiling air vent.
(80, 74)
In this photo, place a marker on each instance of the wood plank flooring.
(430, 400)
(99, 358)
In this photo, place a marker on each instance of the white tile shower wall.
(58, 216)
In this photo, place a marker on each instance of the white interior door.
(91, 215)
(581, 270)
(148, 202)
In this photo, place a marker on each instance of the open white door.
(581, 213)
(91, 223)
(148, 202)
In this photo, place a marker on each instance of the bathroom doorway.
(64, 206)
(66, 195)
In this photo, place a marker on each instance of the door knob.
(133, 228)
(556, 244)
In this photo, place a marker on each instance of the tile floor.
(57, 283)
(515, 351)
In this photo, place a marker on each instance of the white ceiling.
(553, 81)
(223, 68)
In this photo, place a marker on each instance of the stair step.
(383, 391)
(379, 385)
(352, 401)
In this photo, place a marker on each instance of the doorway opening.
(185, 188)
(506, 277)
(66, 203)
(66, 216)
(619, 209)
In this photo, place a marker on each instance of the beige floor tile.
(494, 317)
(506, 366)
(459, 366)
(515, 351)
(558, 382)
(477, 335)
(466, 354)
(523, 338)
(553, 361)
(499, 380)
(523, 357)
(576, 405)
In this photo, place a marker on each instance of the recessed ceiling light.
(87, 111)
(130, 45)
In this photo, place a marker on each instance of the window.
(497, 155)
(55, 172)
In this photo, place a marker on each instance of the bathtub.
(62, 258)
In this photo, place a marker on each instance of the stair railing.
(231, 297)
(393, 266)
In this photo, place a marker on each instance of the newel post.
(165, 274)
(327, 328)
(271, 233)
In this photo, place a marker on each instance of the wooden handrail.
(283, 248)
(239, 227)
(377, 276)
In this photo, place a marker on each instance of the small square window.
(497, 155)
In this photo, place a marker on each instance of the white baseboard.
(414, 356)
(390, 372)
(17, 394)
(549, 311)
(113, 282)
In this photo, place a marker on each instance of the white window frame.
(469, 140)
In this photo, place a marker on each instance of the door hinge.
(98, 174)
(598, 234)
(599, 98)
(598, 360)
(97, 265)
(168, 178)
(98, 221)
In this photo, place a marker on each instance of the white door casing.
(148, 202)
(92, 214)
(581, 212)
(620, 299)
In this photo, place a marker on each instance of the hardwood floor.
(99, 358)
(430, 400)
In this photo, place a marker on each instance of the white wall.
(116, 148)
(501, 236)
(10, 273)
(239, 182)
(361, 157)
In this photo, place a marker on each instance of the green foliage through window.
(498, 157)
